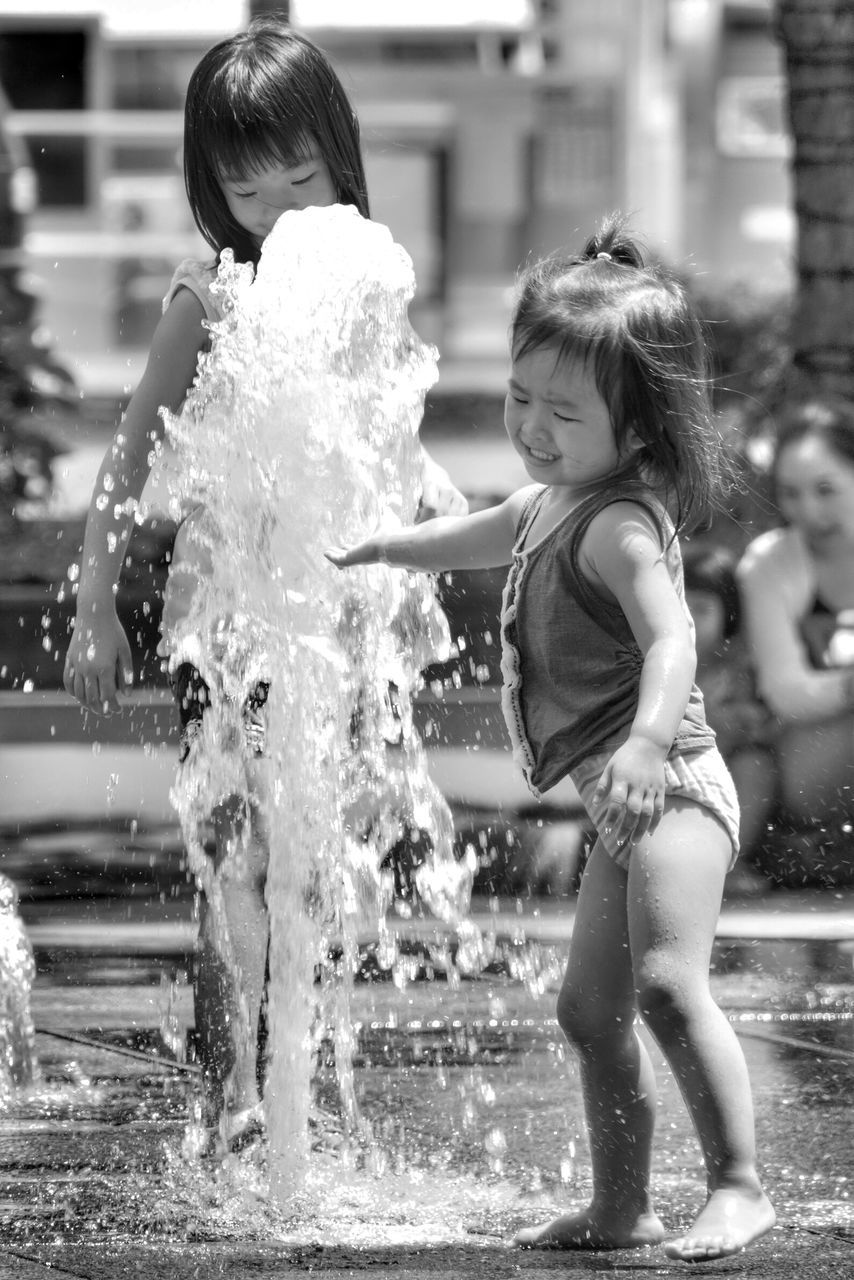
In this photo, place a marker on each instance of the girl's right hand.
(99, 663)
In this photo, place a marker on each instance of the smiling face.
(558, 422)
(815, 492)
(258, 200)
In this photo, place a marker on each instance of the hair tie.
(606, 257)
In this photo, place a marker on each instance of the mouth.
(820, 534)
(538, 455)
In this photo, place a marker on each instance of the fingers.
(631, 813)
(97, 691)
(346, 557)
(124, 666)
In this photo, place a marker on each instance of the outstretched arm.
(483, 540)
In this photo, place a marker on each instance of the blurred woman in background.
(797, 592)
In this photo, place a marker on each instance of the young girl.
(268, 128)
(607, 408)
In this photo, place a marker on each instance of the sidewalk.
(93, 1184)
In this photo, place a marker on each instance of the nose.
(810, 508)
(534, 422)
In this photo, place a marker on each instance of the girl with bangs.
(268, 129)
(608, 408)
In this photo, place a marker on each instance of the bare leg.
(596, 1010)
(675, 885)
(227, 1003)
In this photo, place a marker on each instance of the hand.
(99, 664)
(439, 497)
(632, 788)
(368, 552)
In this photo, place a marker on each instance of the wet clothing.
(701, 776)
(190, 562)
(571, 665)
(193, 697)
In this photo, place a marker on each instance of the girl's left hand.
(632, 788)
(439, 497)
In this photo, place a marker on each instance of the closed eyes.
(296, 182)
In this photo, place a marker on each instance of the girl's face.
(815, 493)
(256, 202)
(558, 422)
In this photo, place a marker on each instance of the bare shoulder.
(775, 570)
(179, 337)
(516, 503)
(772, 549)
(622, 527)
(183, 319)
(777, 556)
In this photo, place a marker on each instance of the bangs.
(586, 343)
(241, 154)
(250, 126)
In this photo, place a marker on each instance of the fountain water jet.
(301, 431)
(18, 1066)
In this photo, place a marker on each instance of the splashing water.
(17, 969)
(301, 432)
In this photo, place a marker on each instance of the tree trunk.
(818, 39)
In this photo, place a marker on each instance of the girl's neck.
(567, 496)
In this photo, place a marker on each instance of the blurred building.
(493, 129)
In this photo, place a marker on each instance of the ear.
(632, 443)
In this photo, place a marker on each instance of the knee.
(242, 847)
(587, 1020)
(664, 1006)
(242, 864)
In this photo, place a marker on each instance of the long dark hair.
(633, 325)
(265, 96)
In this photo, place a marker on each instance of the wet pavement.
(474, 1105)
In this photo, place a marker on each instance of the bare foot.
(731, 1220)
(593, 1229)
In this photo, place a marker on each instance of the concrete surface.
(89, 1189)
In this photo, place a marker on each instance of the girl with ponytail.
(608, 407)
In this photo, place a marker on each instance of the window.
(44, 70)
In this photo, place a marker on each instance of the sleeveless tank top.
(570, 662)
(188, 564)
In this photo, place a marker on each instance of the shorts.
(701, 776)
(193, 697)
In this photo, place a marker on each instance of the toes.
(690, 1250)
(529, 1238)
